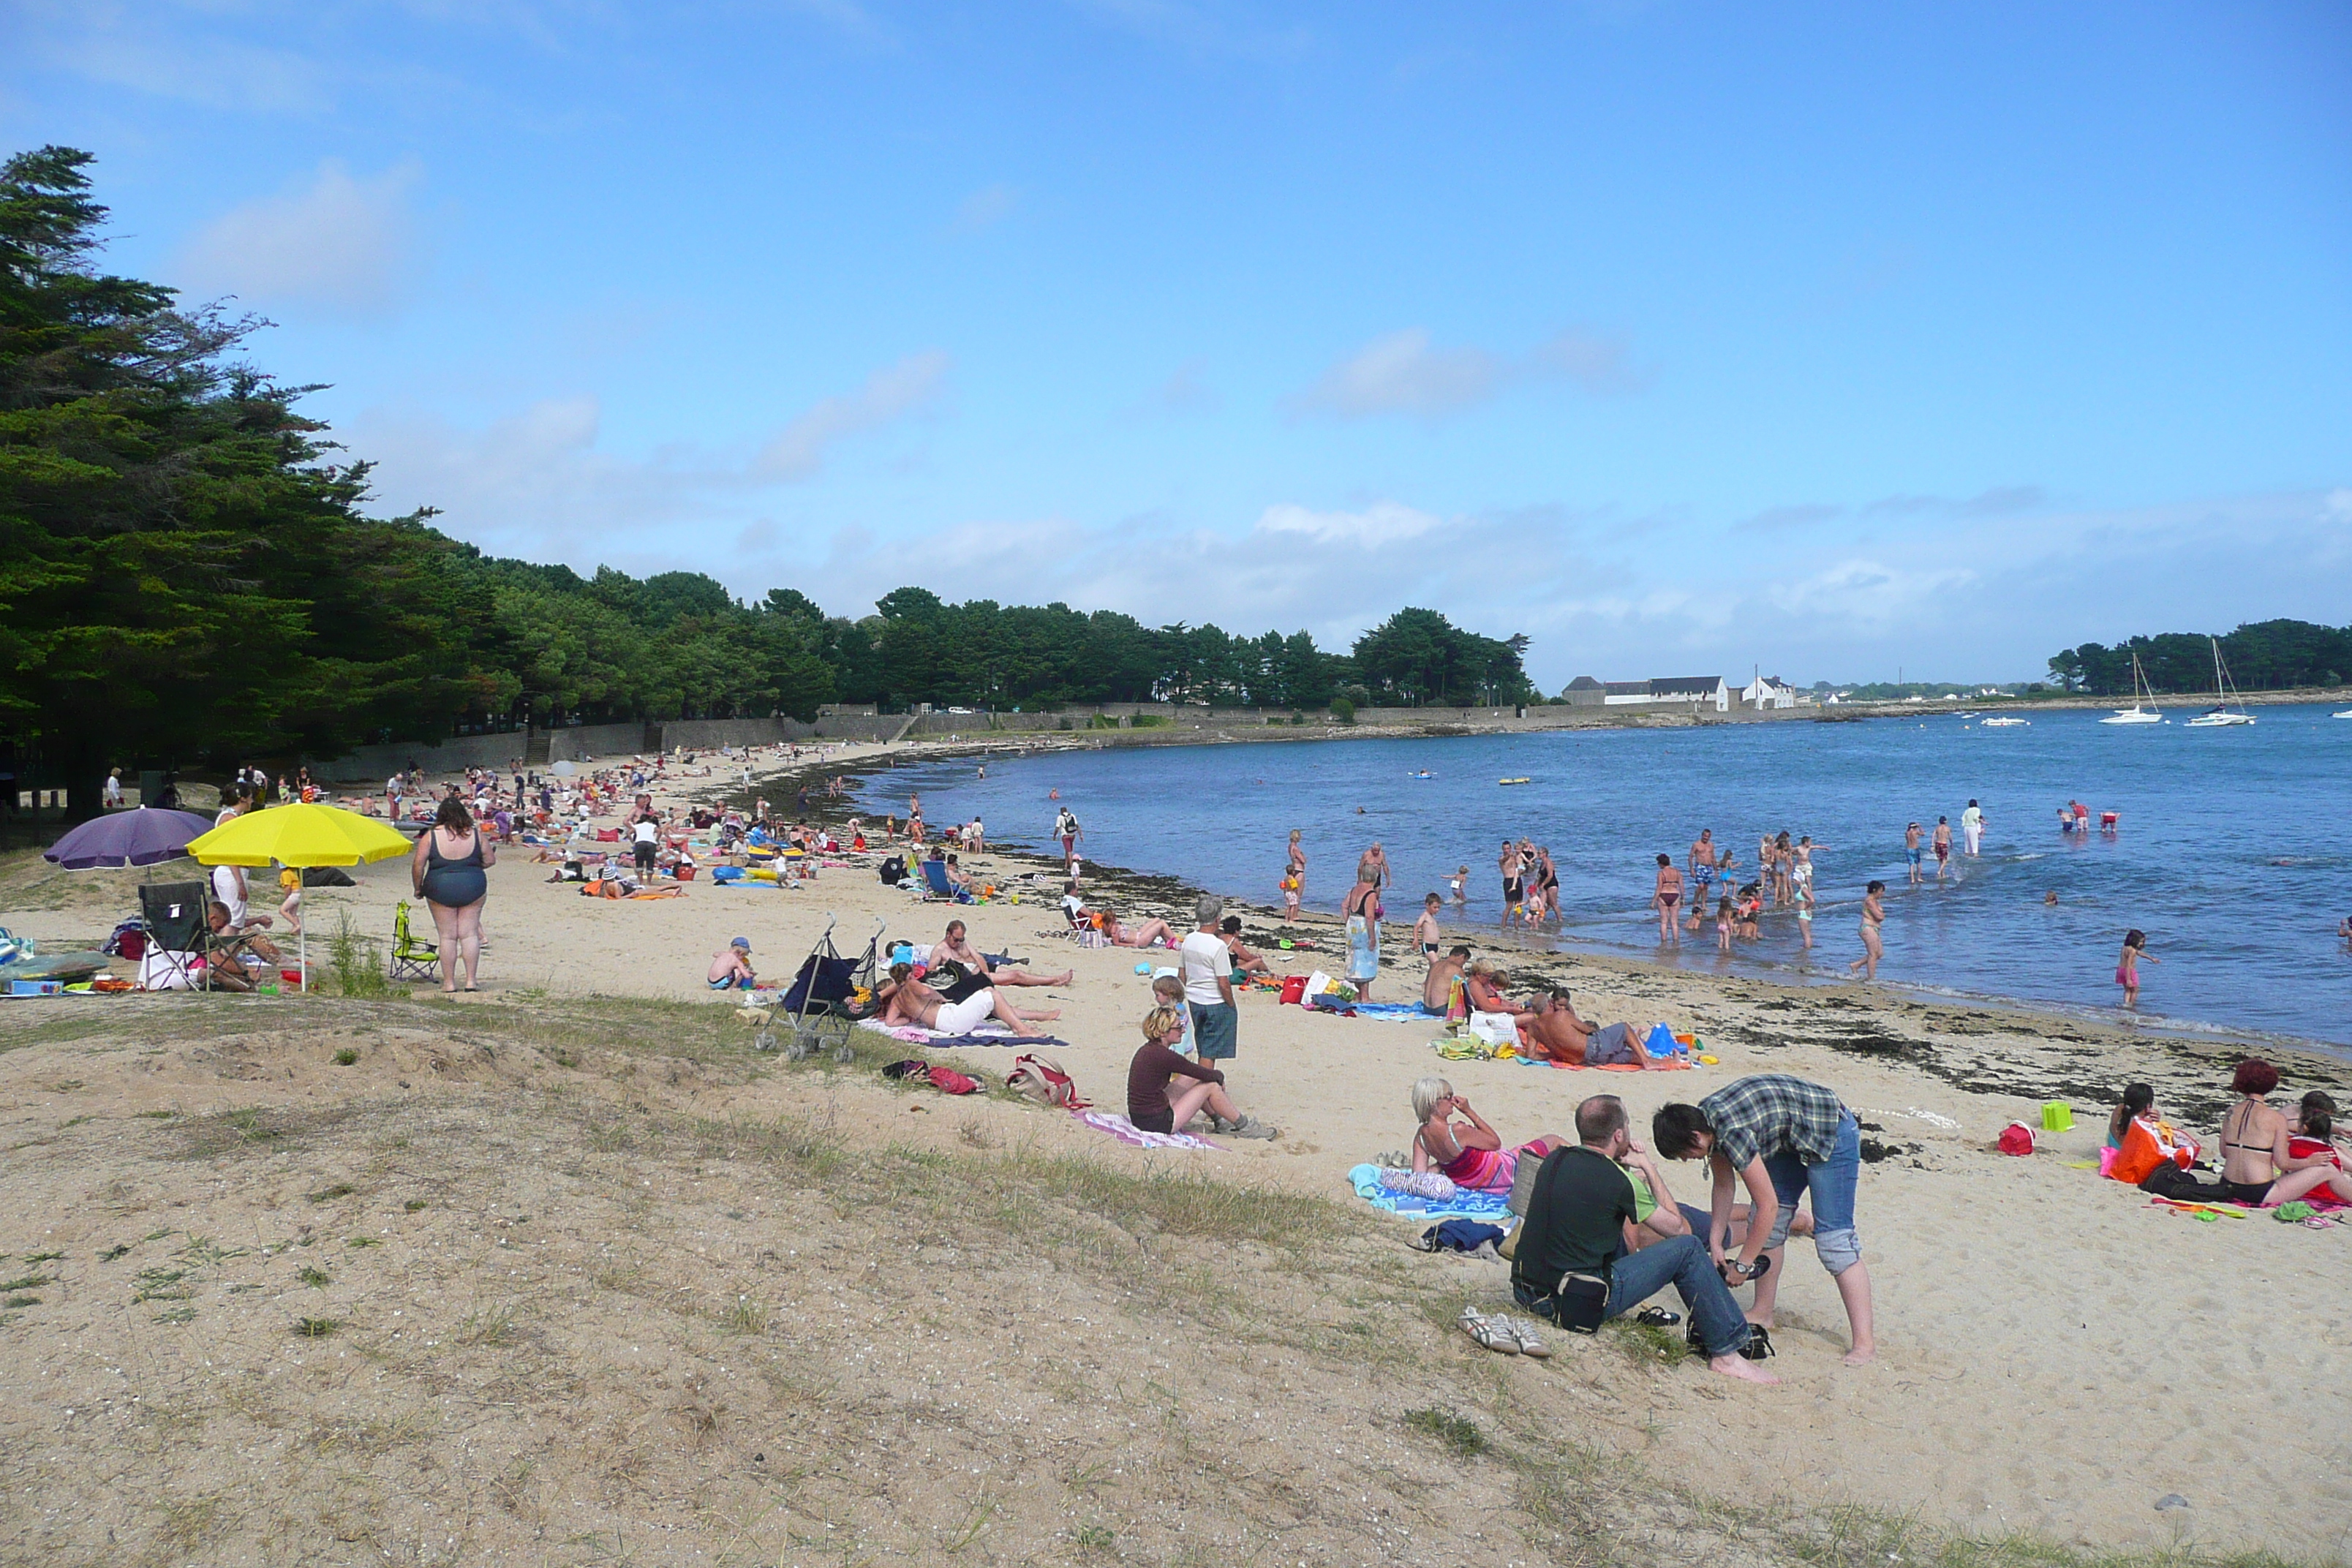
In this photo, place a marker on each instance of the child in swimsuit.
(1424, 929)
(2127, 965)
(1461, 876)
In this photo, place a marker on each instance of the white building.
(1768, 691)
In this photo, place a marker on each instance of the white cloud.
(985, 208)
(891, 393)
(1381, 523)
(332, 239)
(1406, 373)
(1403, 374)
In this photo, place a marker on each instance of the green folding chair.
(411, 958)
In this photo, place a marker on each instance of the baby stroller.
(819, 1007)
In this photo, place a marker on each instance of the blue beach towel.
(1493, 1208)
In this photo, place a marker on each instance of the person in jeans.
(1577, 1221)
(1784, 1138)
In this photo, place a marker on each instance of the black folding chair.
(174, 916)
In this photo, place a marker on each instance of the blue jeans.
(1681, 1261)
(1831, 1184)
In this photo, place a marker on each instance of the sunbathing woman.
(906, 1000)
(1469, 1153)
(2259, 1165)
(1483, 983)
(1143, 935)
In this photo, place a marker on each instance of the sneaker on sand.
(1251, 1126)
(1488, 1332)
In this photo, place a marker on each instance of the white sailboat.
(2223, 715)
(2136, 713)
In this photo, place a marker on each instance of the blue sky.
(1678, 337)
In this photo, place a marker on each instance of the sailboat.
(2136, 713)
(2223, 715)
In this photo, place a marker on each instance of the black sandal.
(1657, 1318)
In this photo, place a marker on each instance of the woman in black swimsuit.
(2257, 1168)
(447, 870)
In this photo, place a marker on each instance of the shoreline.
(1166, 894)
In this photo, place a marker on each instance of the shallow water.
(2231, 851)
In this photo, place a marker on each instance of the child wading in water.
(1722, 923)
(1873, 915)
(2127, 965)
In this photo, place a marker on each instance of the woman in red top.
(1158, 1064)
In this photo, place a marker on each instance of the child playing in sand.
(2127, 965)
(1424, 929)
(731, 966)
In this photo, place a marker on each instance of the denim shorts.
(1831, 1186)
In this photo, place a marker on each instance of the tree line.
(2263, 655)
(188, 572)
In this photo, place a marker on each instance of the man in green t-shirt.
(1584, 1197)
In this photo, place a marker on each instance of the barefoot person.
(1158, 1065)
(956, 947)
(448, 872)
(1576, 1214)
(1556, 1034)
(1667, 894)
(1205, 965)
(2127, 965)
(1942, 842)
(1437, 988)
(1362, 909)
(1143, 935)
(1469, 1153)
(1784, 1138)
(1873, 916)
(906, 1000)
(2260, 1166)
(731, 967)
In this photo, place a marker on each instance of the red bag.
(2017, 1138)
(1294, 988)
(946, 1080)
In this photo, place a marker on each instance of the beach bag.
(2017, 1138)
(1579, 1302)
(1043, 1082)
(946, 1080)
(2148, 1144)
(1495, 1028)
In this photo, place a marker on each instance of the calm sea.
(2231, 850)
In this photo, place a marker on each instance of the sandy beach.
(2057, 1356)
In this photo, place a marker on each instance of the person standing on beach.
(1508, 861)
(1972, 826)
(1666, 898)
(1943, 844)
(1785, 1139)
(1873, 915)
(112, 800)
(1362, 909)
(1065, 828)
(1805, 911)
(1912, 852)
(1205, 965)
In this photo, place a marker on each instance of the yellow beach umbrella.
(300, 836)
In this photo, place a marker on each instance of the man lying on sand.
(1556, 1033)
(1577, 1215)
(957, 946)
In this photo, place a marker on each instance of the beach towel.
(1490, 1208)
(1126, 1131)
(992, 1035)
(1363, 949)
(1390, 1011)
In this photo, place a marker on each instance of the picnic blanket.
(992, 1035)
(1493, 1208)
(1126, 1131)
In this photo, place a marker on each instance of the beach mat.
(999, 1036)
(1491, 1208)
(1126, 1131)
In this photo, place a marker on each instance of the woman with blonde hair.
(1469, 1153)
(1157, 1064)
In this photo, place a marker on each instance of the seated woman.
(2259, 1166)
(1157, 1064)
(2139, 1100)
(1484, 983)
(906, 1000)
(1246, 962)
(1469, 1153)
(2312, 1142)
(1144, 935)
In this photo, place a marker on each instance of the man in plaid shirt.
(1784, 1138)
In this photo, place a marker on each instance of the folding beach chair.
(174, 916)
(821, 1004)
(411, 958)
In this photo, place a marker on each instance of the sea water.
(2230, 851)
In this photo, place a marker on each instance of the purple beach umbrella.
(144, 836)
